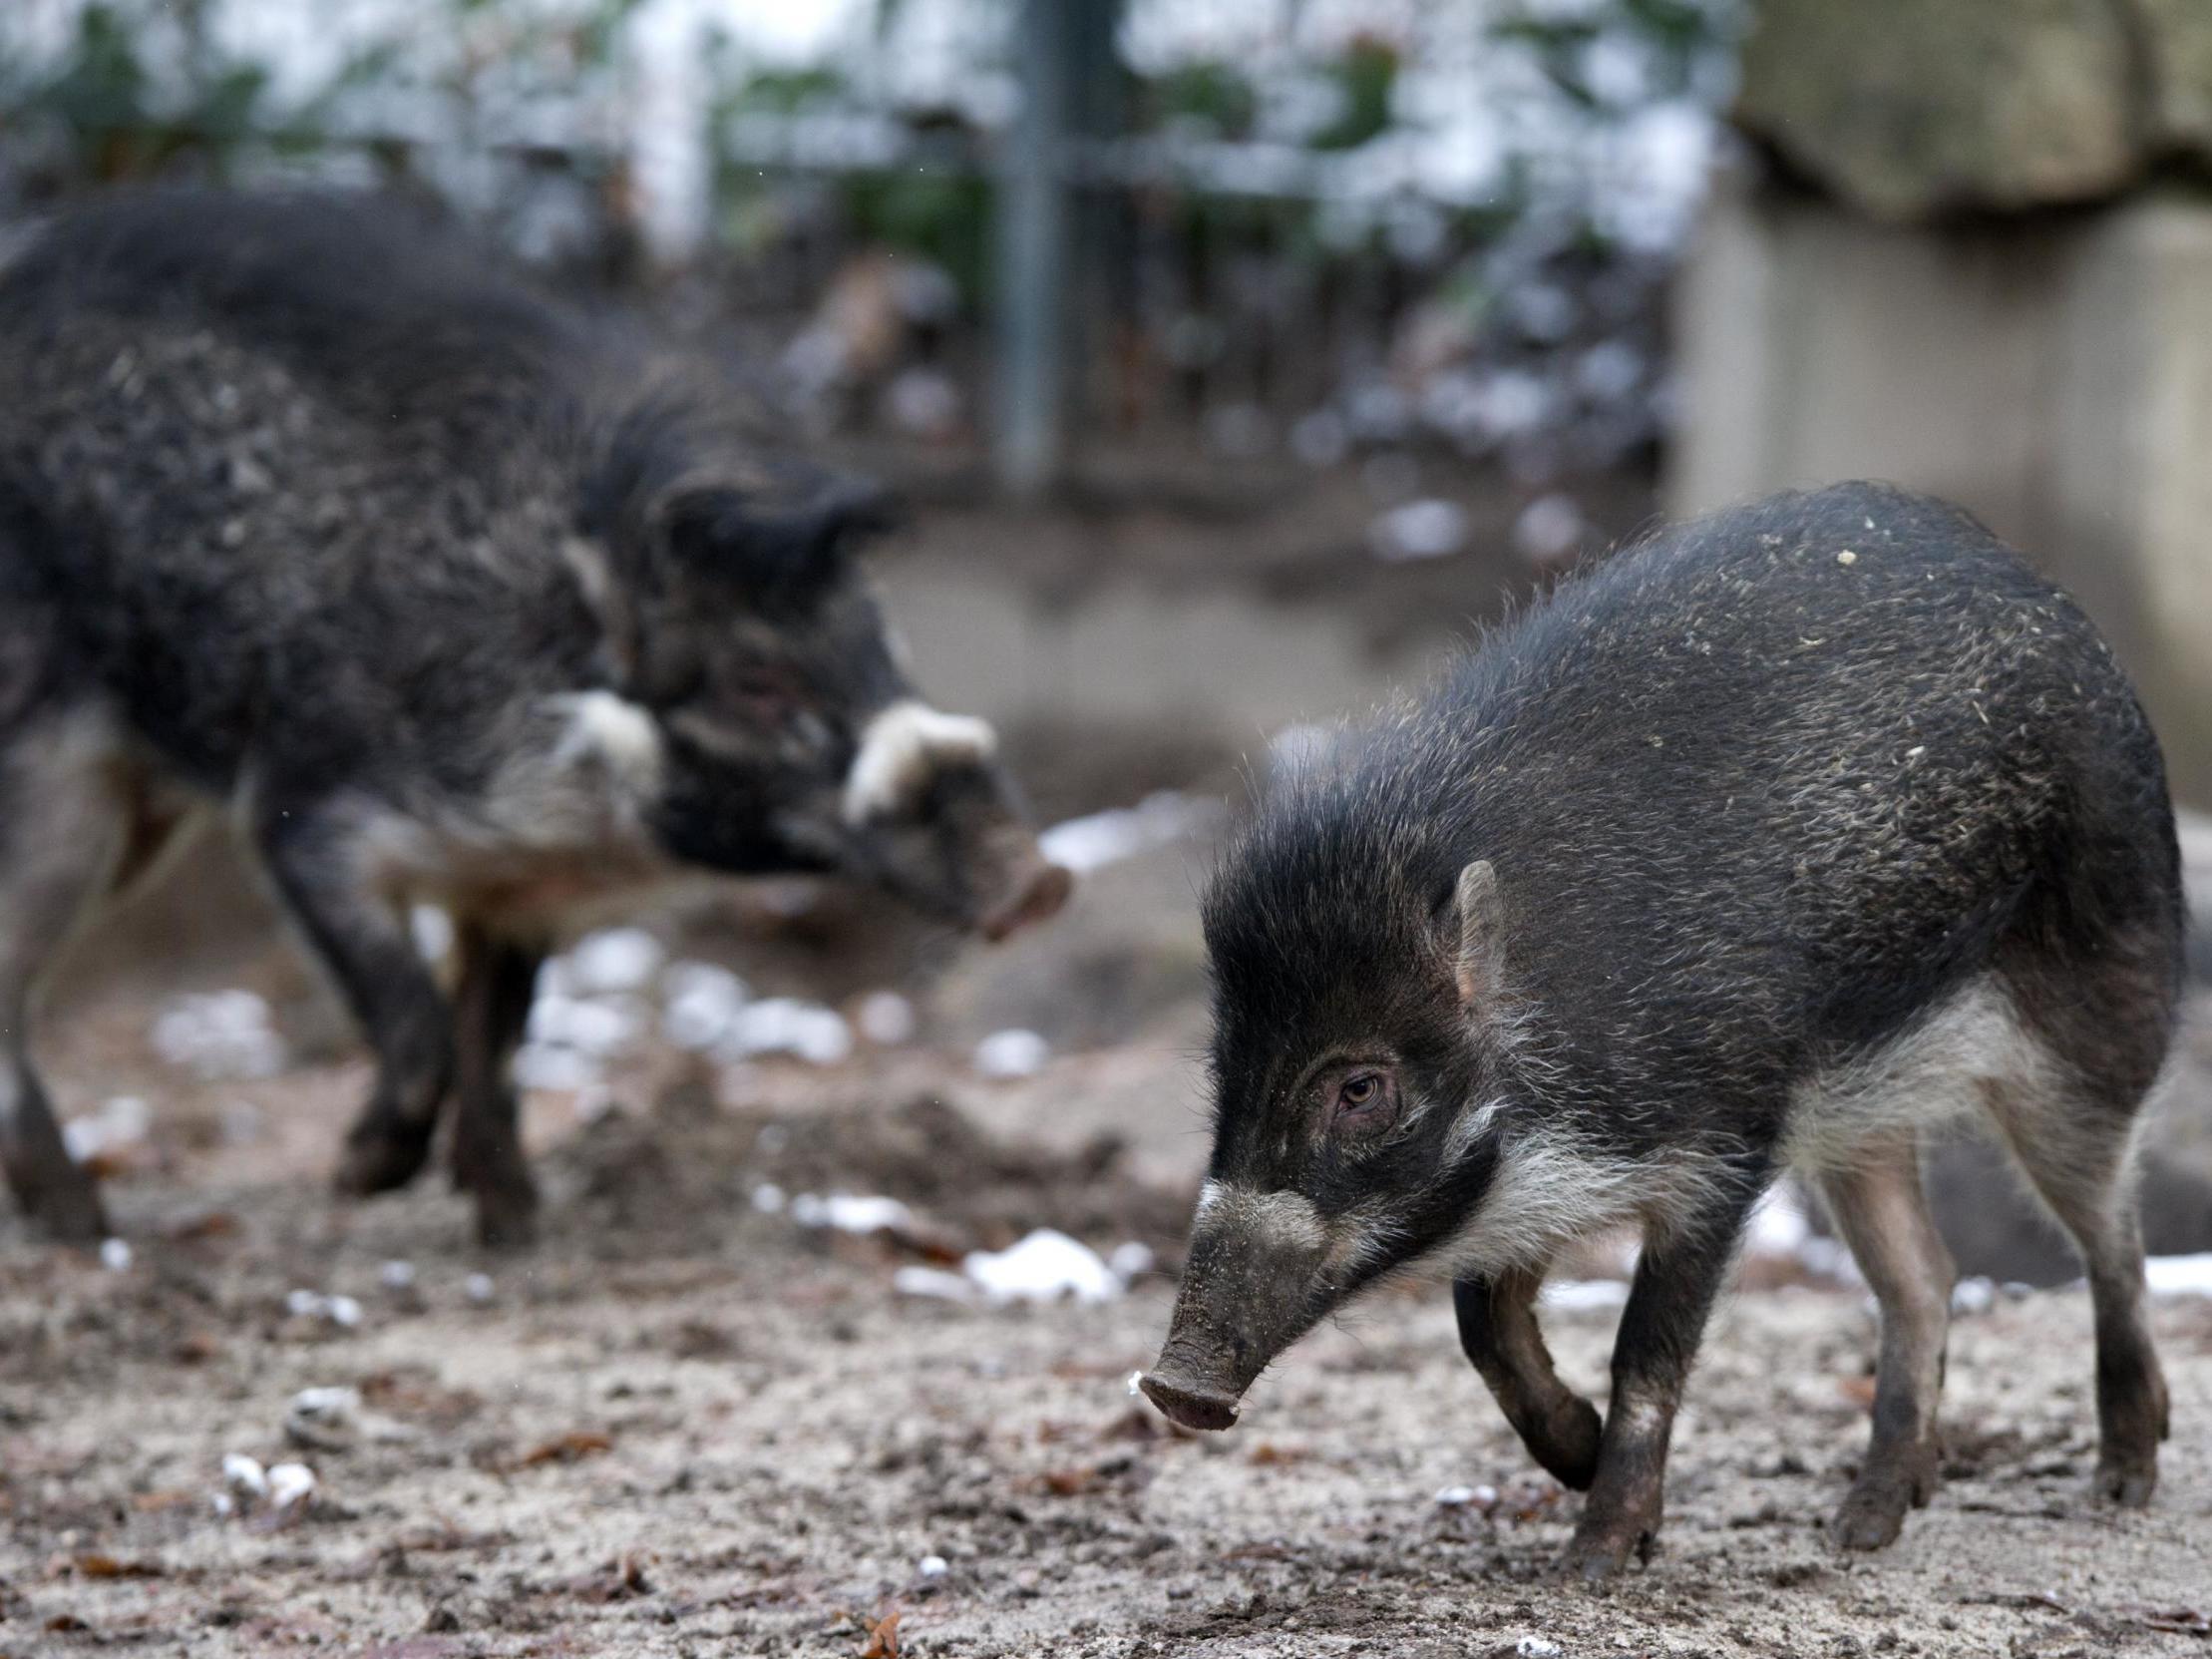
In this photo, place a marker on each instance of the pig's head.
(1366, 1074)
(783, 734)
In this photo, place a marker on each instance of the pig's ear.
(776, 550)
(1478, 964)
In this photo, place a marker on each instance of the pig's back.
(298, 458)
(1770, 784)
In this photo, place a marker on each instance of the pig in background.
(442, 592)
(1779, 842)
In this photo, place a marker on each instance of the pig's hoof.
(1566, 1444)
(1596, 1553)
(67, 1209)
(2127, 1483)
(377, 1159)
(507, 1214)
(1873, 1513)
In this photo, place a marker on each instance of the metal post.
(1032, 231)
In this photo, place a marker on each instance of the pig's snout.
(1192, 1403)
(1036, 891)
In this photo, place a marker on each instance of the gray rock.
(1906, 111)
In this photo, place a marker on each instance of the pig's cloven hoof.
(379, 1158)
(2128, 1484)
(1191, 1406)
(1597, 1552)
(1873, 1512)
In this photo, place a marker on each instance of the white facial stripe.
(611, 731)
(901, 747)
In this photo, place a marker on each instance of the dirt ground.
(686, 1426)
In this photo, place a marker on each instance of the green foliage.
(1364, 77)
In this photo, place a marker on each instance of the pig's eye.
(1366, 1097)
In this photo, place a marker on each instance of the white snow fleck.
(542, 1066)
(291, 1483)
(244, 1476)
(1974, 1295)
(615, 959)
(1136, 1384)
(1778, 1226)
(1013, 1053)
(1429, 529)
(849, 1213)
(1537, 1647)
(396, 1275)
(432, 929)
(768, 1198)
(702, 1002)
(115, 1254)
(933, 1566)
(478, 1288)
(1549, 529)
(121, 1120)
(1455, 1498)
(886, 1018)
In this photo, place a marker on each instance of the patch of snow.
(933, 1281)
(1081, 845)
(615, 959)
(244, 1476)
(219, 1034)
(788, 1026)
(768, 1198)
(1777, 1226)
(1044, 1267)
(933, 1566)
(1129, 1259)
(1013, 1053)
(2179, 1275)
(478, 1288)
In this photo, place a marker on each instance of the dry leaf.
(567, 1448)
(883, 1638)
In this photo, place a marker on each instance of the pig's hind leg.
(2107, 1017)
(1498, 1331)
(319, 860)
(1878, 1204)
(492, 1005)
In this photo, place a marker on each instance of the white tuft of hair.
(611, 731)
(901, 748)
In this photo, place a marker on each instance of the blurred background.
(1237, 358)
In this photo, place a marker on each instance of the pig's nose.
(1193, 1405)
(1038, 894)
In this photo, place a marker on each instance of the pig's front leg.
(317, 860)
(1498, 1329)
(492, 1005)
(1677, 1279)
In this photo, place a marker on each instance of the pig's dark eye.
(1366, 1097)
